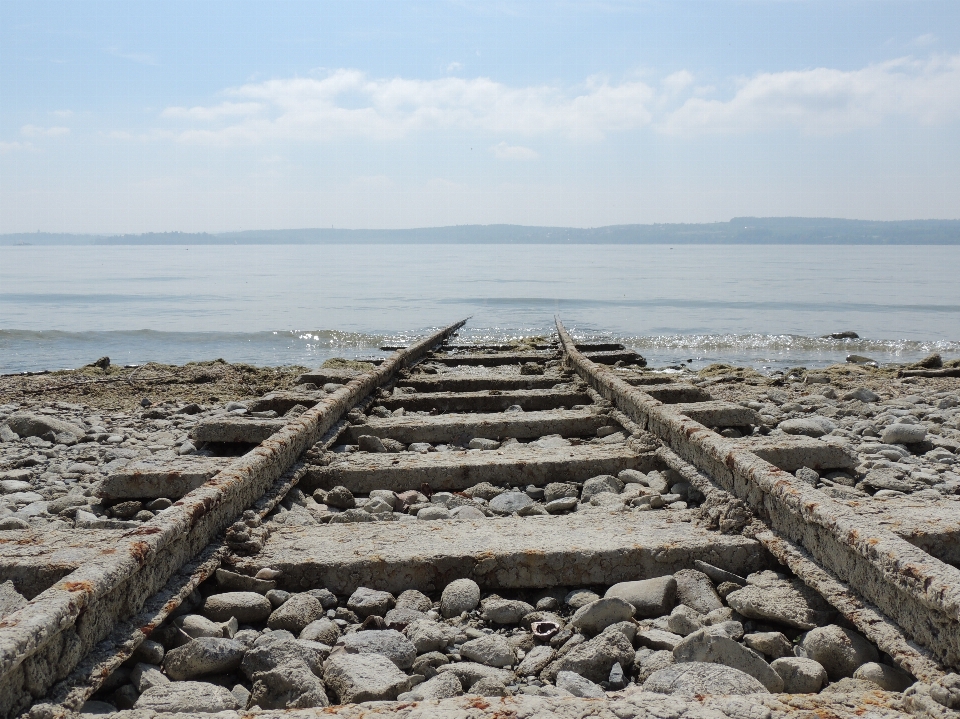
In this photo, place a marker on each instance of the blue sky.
(211, 116)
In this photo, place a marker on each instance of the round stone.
(461, 595)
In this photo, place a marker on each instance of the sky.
(121, 117)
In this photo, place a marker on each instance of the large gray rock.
(484, 490)
(368, 602)
(580, 598)
(296, 613)
(363, 677)
(684, 621)
(490, 688)
(321, 630)
(559, 490)
(647, 662)
(593, 618)
(650, 597)
(709, 648)
(27, 424)
(433, 513)
(536, 660)
(840, 651)
(197, 625)
(504, 611)
(800, 675)
(388, 642)
(461, 595)
(658, 639)
(143, 676)
(247, 607)
(187, 697)
(772, 644)
(492, 650)
(441, 686)
(429, 636)
(786, 601)
(510, 502)
(812, 426)
(594, 658)
(903, 434)
(288, 687)
(469, 673)
(698, 678)
(416, 600)
(206, 655)
(270, 652)
(892, 679)
(695, 589)
(579, 686)
(599, 485)
(403, 616)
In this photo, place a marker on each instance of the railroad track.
(545, 523)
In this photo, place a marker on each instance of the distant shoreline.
(738, 231)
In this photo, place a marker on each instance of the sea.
(769, 307)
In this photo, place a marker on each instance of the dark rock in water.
(848, 335)
(859, 359)
(102, 363)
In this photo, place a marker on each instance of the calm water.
(66, 306)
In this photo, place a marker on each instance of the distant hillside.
(739, 230)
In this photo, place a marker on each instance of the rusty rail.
(916, 590)
(43, 642)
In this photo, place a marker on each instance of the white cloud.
(828, 101)
(454, 67)
(348, 103)
(62, 113)
(503, 151)
(35, 131)
(224, 109)
(677, 82)
(6, 147)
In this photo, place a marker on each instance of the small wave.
(28, 350)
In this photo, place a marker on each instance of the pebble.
(365, 602)
(205, 655)
(596, 616)
(296, 613)
(492, 650)
(903, 434)
(389, 642)
(578, 686)
(247, 607)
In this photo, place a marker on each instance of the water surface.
(280, 304)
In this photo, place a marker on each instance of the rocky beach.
(78, 448)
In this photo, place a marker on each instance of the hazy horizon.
(738, 230)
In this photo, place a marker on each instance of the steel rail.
(45, 640)
(917, 591)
